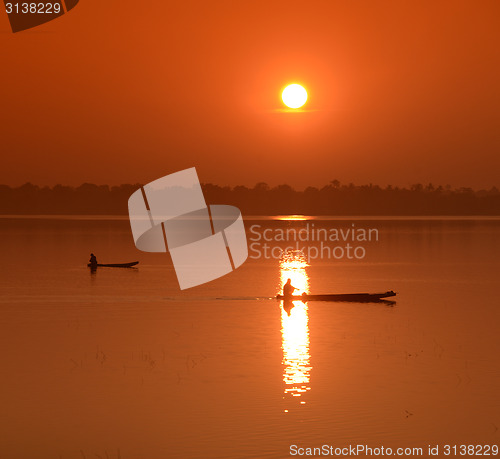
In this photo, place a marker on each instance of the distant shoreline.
(332, 200)
(277, 218)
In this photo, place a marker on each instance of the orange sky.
(123, 91)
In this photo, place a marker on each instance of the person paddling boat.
(288, 289)
(93, 261)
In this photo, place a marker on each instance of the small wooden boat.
(349, 297)
(113, 265)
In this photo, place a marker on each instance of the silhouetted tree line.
(332, 199)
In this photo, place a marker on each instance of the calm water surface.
(122, 364)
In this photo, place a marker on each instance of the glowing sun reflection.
(294, 327)
(288, 218)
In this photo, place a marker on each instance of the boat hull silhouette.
(114, 265)
(348, 297)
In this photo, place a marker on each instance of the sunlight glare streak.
(294, 327)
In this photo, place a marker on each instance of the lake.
(120, 363)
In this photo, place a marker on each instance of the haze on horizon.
(398, 93)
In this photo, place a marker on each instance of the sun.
(294, 96)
